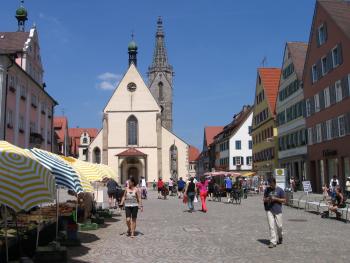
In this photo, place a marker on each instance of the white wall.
(243, 135)
(168, 140)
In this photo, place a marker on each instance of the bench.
(342, 210)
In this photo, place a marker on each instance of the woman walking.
(132, 201)
(190, 192)
(203, 192)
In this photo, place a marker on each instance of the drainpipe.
(12, 58)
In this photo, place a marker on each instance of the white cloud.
(108, 81)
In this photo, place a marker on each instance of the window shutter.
(321, 99)
(242, 160)
(247, 160)
(345, 87)
(329, 62)
(319, 69)
(340, 54)
(312, 105)
(332, 94)
(347, 123)
(234, 160)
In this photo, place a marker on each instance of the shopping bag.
(185, 199)
(195, 199)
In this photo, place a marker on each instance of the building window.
(237, 160)
(97, 155)
(309, 134)
(329, 129)
(250, 145)
(238, 145)
(132, 130)
(34, 101)
(9, 119)
(249, 129)
(318, 133)
(21, 124)
(327, 101)
(249, 160)
(85, 140)
(317, 103)
(314, 73)
(335, 56)
(160, 87)
(324, 66)
(341, 122)
(23, 92)
(338, 91)
(322, 34)
(32, 127)
(288, 71)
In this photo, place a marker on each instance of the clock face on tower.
(131, 87)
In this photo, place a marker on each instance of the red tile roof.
(60, 124)
(13, 41)
(339, 10)
(210, 132)
(193, 153)
(75, 134)
(270, 78)
(131, 152)
(298, 54)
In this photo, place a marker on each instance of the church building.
(136, 138)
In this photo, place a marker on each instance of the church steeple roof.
(160, 57)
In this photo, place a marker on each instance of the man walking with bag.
(273, 199)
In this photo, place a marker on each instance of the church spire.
(160, 77)
(132, 50)
(160, 57)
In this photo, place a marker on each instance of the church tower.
(160, 76)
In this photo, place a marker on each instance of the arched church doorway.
(132, 167)
(134, 172)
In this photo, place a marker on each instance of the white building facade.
(290, 112)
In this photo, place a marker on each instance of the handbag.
(195, 199)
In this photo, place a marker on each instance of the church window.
(97, 155)
(132, 130)
(160, 87)
(131, 87)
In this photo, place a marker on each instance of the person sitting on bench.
(338, 202)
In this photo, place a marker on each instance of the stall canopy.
(85, 183)
(223, 173)
(65, 175)
(25, 183)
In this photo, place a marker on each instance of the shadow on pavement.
(264, 241)
(77, 252)
(87, 237)
(111, 220)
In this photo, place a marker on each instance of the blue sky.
(215, 48)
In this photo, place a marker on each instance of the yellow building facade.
(264, 132)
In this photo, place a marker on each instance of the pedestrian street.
(166, 232)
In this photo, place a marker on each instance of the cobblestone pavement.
(227, 233)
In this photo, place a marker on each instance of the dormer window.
(85, 140)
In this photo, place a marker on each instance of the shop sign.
(307, 186)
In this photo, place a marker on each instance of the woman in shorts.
(132, 201)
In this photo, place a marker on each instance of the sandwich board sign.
(280, 175)
(307, 187)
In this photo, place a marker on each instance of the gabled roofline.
(117, 87)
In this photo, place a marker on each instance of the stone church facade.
(136, 138)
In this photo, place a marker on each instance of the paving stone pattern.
(227, 233)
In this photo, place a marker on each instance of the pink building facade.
(26, 113)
